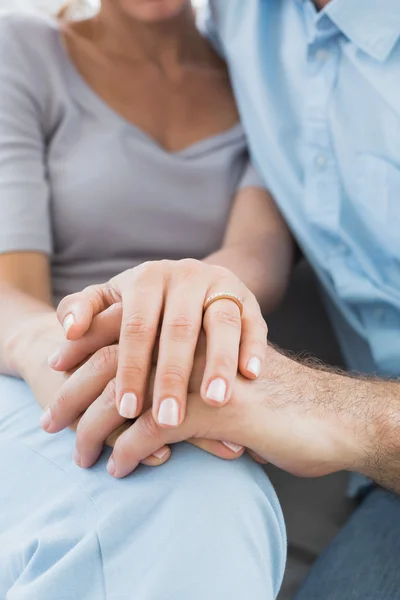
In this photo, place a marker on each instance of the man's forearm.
(367, 410)
(374, 407)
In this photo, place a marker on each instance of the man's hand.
(304, 419)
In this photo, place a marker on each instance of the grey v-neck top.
(82, 184)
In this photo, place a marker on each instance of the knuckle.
(105, 357)
(111, 293)
(224, 363)
(93, 296)
(147, 269)
(182, 328)
(133, 370)
(147, 427)
(62, 400)
(109, 394)
(174, 376)
(189, 268)
(137, 325)
(227, 317)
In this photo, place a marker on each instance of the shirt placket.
(321, 178)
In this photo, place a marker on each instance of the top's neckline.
(96, 101)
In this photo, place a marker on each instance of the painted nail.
(111, 466)
(68, 322)
(45, 419)
(128, 405)
(254, 366)
(168, 413)
(160, 454)
(234, 447)
(217, 390)
(76, 457)
(54, 358)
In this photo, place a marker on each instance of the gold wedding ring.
(224, 296)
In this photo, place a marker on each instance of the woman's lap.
(198, 527)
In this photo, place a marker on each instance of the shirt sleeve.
(24, 192)
(250, 178)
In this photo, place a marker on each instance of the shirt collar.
(372, 25)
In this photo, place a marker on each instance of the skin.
(305, 418)
(186, 97)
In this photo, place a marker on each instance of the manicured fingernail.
(76, 457)
(128, 405)
(111, 466)
(68, 322)
(160, 454)
(45, 419)
(54, 358)
(254, 366)
(168, 413)
(217, 390)
(234, 447)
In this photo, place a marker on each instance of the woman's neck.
(166, 43)
(321, 3)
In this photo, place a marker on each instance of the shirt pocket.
(377, 201)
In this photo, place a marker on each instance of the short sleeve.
(24, 192)
(250, 178)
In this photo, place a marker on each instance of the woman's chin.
(153, 11)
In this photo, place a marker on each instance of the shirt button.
(322, 55)
(321, 161)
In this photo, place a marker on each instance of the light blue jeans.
(195, 528)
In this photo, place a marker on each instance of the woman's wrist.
(34, 339)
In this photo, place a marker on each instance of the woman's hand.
(168, 297)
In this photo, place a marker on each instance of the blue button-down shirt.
(319, 96)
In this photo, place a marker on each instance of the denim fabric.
(362, 561)
(197, 528)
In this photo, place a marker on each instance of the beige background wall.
(53, 5)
